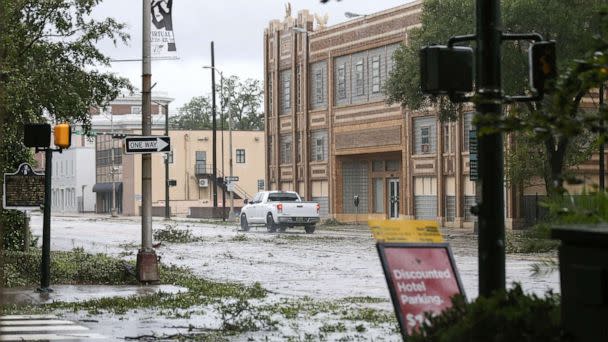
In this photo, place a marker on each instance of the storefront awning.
(107, 187)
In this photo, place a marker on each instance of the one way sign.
(147, 144)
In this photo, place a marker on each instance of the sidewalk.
(81, 293)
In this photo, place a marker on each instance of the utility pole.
(113, 170)
(223, 170)
(147, 262)
(167, 207)
(214, 125)
(231, 213)
(488, 105)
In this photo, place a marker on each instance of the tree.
(48, 60)
(194, 115)
(242, 99)
(571, 24)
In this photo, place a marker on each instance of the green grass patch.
(172, 234)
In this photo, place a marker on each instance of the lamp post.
(223, 103)
(167, 207)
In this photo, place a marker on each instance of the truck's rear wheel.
(244, 224)
(310, 228)
(270, 225)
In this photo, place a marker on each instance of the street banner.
(161, 33)
(422, 278)
(405, 231)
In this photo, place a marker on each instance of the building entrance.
(393, 198)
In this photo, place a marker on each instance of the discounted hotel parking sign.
(421, 278)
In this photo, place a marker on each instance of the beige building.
(191, 167)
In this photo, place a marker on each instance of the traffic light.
(543, 65)
(446, 70)
(63, 135)
(37, 135)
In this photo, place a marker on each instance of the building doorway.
(393, 198)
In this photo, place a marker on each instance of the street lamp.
(167, 207)
(223, 104)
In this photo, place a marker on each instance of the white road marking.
(35, 322)
(42, 327)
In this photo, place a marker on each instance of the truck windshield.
(282, 197)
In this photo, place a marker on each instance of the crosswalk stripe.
(50, 337)
(34, 322)
(42, 327)
(20, 317)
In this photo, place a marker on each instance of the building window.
(425, 135)
(378, 195)
(342, 82)
(447, 140)
(424, 139)
(240, 156)
(135, 109)
(318, 86)
(299, 88)
(286, 149)
(375, 74)
(318, 146)
(201, 162)
(392, 165)
(269, 92)
(359, 79)
(299, 146)
(270, 155)
(286, 91)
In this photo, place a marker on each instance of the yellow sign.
(405, 231)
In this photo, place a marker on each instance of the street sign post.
(147, 144)
(23, 189)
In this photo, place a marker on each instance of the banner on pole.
(161, 34)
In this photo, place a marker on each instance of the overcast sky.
(236, 27)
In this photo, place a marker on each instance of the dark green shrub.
(13, 236)
(504, 317)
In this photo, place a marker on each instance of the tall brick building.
(331, 135)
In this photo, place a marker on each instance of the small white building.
(74, 177)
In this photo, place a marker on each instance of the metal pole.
(602, 165)
(489, 104)
(113, 171)
(223, 170)
(231, 213)
(147, 263)
(45, 266)
(214, 125)
(167, 207)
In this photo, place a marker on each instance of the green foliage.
(242, 99)
(171, 233)
(588, 208)
(75, 267)
(504, 316)
(14, 235)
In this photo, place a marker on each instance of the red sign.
(421, 278)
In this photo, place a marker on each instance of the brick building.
(331, 135)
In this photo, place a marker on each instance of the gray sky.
(236, 27)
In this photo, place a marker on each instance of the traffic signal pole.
(490, 149)
(45, 265)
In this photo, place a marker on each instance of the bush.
(506, 316)
(13, 236)
(175, 235)
(74, 267)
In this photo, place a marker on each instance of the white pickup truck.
(279, 210)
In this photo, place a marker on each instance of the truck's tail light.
(280, 208)
(318, 207)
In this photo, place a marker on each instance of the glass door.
(393, 198)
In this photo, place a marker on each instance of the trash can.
(583, 265)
